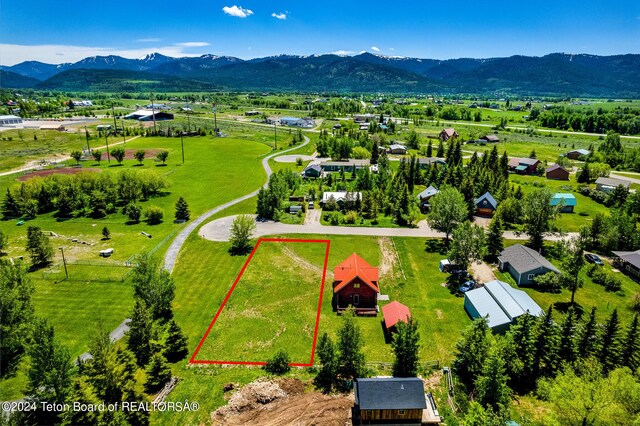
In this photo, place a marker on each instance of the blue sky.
(69, 30)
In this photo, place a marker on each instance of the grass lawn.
(277, 297)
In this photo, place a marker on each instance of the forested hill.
(554, 75)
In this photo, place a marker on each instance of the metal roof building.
(500, 303)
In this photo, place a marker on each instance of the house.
(575, 154)
(149, 115)
(447, 134)
(57, 127)
(606, 184)
(157, 106)
(356, 284)
(81, 104)
(312, 171)
(565, 200)
(297, 122)
(272, 120)
(524, 264)
(363, 126)
(425, 196)
(9, 120)
(393, 313)
(347, 166)
(557, 172)
(485, 204)
(628, 261)
(397, 149)
(491, 138)
(361, 118)
(389, 400)
(428, 161)
(340, 197)
(103, 127)
(500, 303)
(252, 112)
(524, 166)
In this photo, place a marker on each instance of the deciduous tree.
(38, 246)
(406, 346)
(242, 230)
(448, 209)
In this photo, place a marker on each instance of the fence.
(89, 271)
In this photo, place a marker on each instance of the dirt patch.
(389, 257)
(282, 403)
(438, 314)
(482, 272)
(303, 263)
(433, 382)
(61, 171)
(129, 154)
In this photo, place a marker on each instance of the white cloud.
(192, 44)
(148, 40)
(391, 49)
(237, 11)
(343, 52)
(55, 53)
(375, 49)
(282, 15)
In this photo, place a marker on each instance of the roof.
(355, 267)
(612, 182)
(349, 163)
(524, 259)
(491, 138)
(390, 393)
(522, 167)
(449, 131)
(502, 303)
(10, 117)
(487, 196)
(315, 167)
(428, 193)
(430, 160)
(395, 312)
(565, 198)
(555, 167)
(528, 161)
(580, 151)
(339, 196)
(291, 119)
(397, 146)
(632, 257)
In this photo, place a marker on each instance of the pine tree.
(471, 351)
(140, 332)
(491, 385)
(350, 346)
(495, 243)
(440, 151)
(375, 153)
(82, 392)
(546, 360)
(585, 174)
(406, 345)
(589, 343)
(158, 373)
(106, 234)
(631, 347)
(504, 164)
(38, 246)
(326, 377)
(182, 210)
(176, 343)
(430, 149)
(568, 349)
(523, 338)
(10, 206)
(611, 345)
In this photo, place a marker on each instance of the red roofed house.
(393, 313)
(355, 283)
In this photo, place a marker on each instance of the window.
(356, 285)
(531, 276)
(401, 412)
(356, 299)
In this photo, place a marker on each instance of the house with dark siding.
(524, 264)
(356, 284)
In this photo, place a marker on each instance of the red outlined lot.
(193, 359)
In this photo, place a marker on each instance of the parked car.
(311, 205)
(593, 258)
(468, 285)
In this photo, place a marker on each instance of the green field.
(276, 297)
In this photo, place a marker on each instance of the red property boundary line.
(193, 359)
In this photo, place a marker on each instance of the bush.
(133, 212)
(604, 278)
(350, 217)
(154, 215)
(334, 218)
(636, 301)
(279, 364)
(549, 282)
(298, 161)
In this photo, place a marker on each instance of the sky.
(70, 30)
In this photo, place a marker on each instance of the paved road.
(114, 336)
(624, 177)
(218, 230)
(172, 253)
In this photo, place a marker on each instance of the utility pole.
(86, 134)
(189, 118)
(124, 138)
(64, 262)
(215, 119)
(106, 138)
(182, 143)
(275, 136)
(115, 126)
(153, 114)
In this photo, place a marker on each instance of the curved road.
(172, 253)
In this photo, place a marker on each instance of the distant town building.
(9, 120)
(575, 154)
(148, 115)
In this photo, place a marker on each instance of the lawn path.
(172, 253)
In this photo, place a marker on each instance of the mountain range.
(556, 74)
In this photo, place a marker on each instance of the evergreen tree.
(568, 348)
(375, 153)
(585, 175)
(82, 392)
(491, 385)
(471, 351)
(504, 164)
(406, 345)
(158, 373)
(611, 349)
(546, 360)
(106, 234)
(10, 206)
(350, 345)
(440, 151)
(140, 333)
(523, 339)
(176, 343)
(631, 346)
(430, 149)
(279, 364)
(589, 341)
(38, 246)
(495, 243)
(326, 377)
(182, 210)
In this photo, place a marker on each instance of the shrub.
(279, 364)
(133, 212)
(549, 282)
(636, 301)
(334, 218)
(298, 161)
(350, 217)
(154, 215)
(604, 278)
